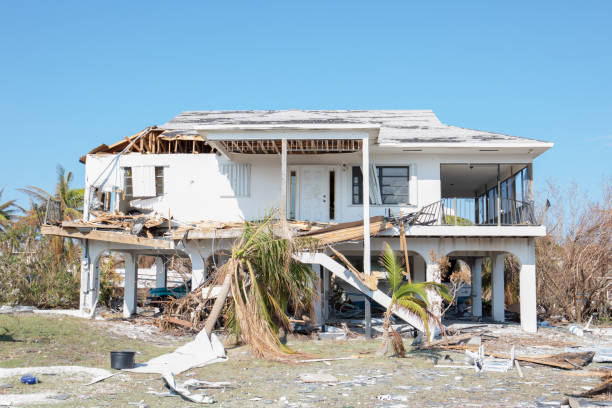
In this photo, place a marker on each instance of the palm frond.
(394, 269)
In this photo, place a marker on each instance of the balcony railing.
(467, 211)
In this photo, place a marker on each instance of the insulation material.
(239, 176)
(143, 181)
(197, 353)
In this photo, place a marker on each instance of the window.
(127, 181)
(394, 184)
(146, 178)
(159, 181)
(292, 194)
(357, 185)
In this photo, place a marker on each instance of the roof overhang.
(533, 148)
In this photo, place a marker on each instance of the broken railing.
(50, 213)
(466, 211)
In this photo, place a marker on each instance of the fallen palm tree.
(265, 282)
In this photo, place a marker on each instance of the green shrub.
(38, 270)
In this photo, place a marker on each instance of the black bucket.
(122, 359)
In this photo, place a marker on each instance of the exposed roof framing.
(154, 140)
(294, 146)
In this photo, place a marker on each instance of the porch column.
(327, 310)
(161, 272)
(365, 161)
(477, 287)
(432, 274)
(90, 276)
(528, 294)
(317, 301)
(130, 285)
(497, 287)
(283, 204)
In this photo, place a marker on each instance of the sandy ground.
(367, 381)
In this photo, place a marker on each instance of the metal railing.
(467, 211)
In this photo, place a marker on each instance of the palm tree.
(411, 296)
(8, 211)
(266, 283)
(70, 199)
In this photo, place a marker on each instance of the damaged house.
(186, 186)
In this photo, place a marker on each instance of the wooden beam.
(107, 236)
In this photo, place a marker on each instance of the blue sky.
(75, 74)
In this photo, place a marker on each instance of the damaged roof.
(396, 127)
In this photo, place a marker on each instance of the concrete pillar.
(161, 272)
(130, 285)
(365, 176)
(327, 310)
(497, 287)
(528, 295)
(433, 274)
(317, 301)
(197, 255)
(90, 275)
(477, 287)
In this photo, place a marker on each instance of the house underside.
(467, 199)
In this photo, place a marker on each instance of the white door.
(314, 191)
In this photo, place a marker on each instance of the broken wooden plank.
(348, 231)
(108, 236)
(179, 322)
(605, 386)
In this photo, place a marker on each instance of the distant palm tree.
(8, 211)
(70, 199)
(411, 296)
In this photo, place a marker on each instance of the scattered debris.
(184, 392)
(518, 368)
(317, 378)
(389, 397)
(50, 370)
(100, 378)
(602, 354)
(575, 330)
(604, 387)
(193, 384)
(197, 353)
(29, 379)
(23, 399)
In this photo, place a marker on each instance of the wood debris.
(369, 280)
(348, 231)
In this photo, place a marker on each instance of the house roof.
(395, 127)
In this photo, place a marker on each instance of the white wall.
(196, 190)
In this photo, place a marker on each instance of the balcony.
(457, 211)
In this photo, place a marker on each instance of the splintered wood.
(348, 231)
(154, 140)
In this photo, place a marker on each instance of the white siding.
(239, 176)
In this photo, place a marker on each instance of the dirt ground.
(28, 340)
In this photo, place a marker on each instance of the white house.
(472, 189)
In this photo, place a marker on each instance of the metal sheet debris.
(197, 353)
